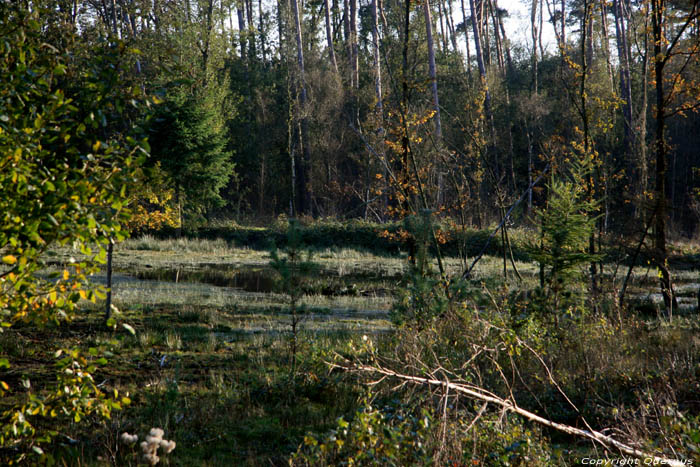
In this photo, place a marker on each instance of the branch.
(507, 405)
(468, 272)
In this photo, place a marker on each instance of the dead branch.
(508, 405)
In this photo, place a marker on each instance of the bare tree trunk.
(533, 30)
(207, 39)
(623, 53)
(586, 19)
(329, 38)
(115, 29)
(450, 24)
(377, 60)
(346, 26)
(660, 57)
(466, 39)
(563, 24)
(484, 30)
(480, 58)
(108, 302)
(640, 121)
(251, 29)
(302, 169)
(504, 38)
(442, 28)
(353, 45)
(497, 35)
(432, 68)
(606, 43)
(242, 30)
(539, 31)
(281, 32)
(261, 31)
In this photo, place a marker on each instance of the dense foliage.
(63, 181)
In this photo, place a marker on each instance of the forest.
(378, 232)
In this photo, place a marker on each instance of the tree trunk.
(346, 36)
(623, 53)
(353, 45)
(657, 16)
(533, 30)
(329, 38)
(606, 44)
(261, 31)
(442, 27)
(480, 58)
(466, 40)
(432, 68)
(241, 30)
(497, 35)
(207, 39)
(302, 169)
(377, 60)
(251, 29)
(108, 302)
(504, 38)
(449, 15)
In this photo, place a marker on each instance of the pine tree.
(566, 225)
(190, 140)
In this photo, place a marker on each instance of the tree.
(567, 223)
(190, 140)
(60, 183)
(666, 52)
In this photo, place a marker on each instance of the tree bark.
(466, 39)
(533, 30)
(261, 31)
(450, 24)
(251, 29)
(497, 35)
(432, 68)
(353, 45)
(480, 59)
(303, 167)
(377, 60)
(623, 53)
(108, 302)
(241, 30)
(329, 38)
(660, 56)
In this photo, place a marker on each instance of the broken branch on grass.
(508, 405)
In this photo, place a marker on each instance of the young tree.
(61, 182)
(190, 140)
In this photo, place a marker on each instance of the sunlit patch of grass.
(173, 341)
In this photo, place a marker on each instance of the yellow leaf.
(66, 274)
(9, 259)
(4, 385)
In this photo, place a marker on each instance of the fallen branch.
(507, 405)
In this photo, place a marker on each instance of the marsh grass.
(209, 364)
